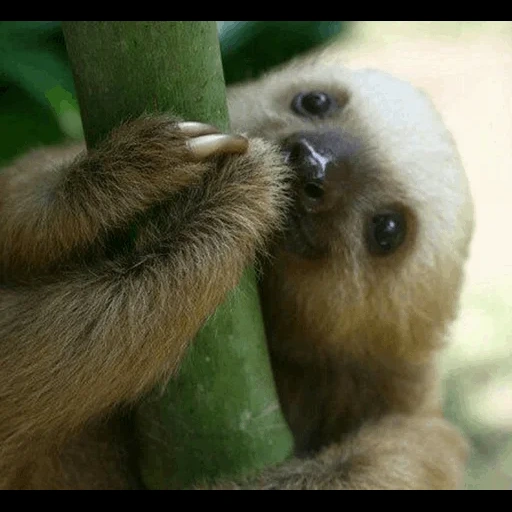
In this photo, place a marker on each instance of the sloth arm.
(359, 421)
(363, 426)
(398, 446)
(396, 453)
(79, 336)
(346, 439)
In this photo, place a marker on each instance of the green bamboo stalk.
(123, 68)
(220, 416)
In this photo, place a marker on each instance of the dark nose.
(316, 156)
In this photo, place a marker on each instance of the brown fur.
(91, 318)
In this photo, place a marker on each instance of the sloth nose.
(318, 157)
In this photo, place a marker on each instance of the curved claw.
(194, 129)
(209, 145)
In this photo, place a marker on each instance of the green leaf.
(36, 87)
(66, 109)
(251, 47)
(24, 124)
(37, 71)
(27, 32)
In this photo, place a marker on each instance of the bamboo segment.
(220, 416)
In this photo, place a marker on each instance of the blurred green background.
(466, 67)
(37, 97)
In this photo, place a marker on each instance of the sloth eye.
(386, 232)
(313, 104)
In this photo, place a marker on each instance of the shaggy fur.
(94, 313)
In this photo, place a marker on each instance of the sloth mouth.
(300, 236)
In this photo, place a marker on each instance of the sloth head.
(382, 214)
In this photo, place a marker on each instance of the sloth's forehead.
(365, 97)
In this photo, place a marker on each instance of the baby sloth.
(348, 181)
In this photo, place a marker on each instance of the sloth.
(349, 187)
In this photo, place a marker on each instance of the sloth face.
(382, 214)
(372, 259)
(377, 173)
